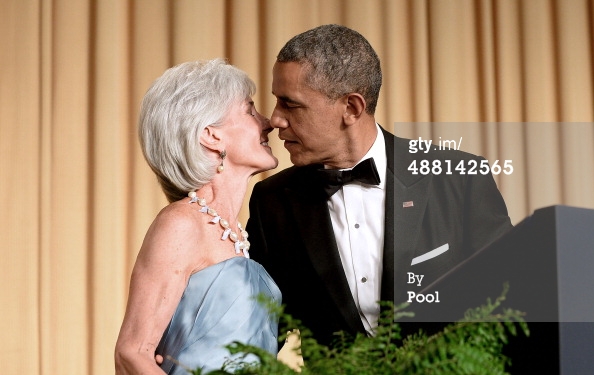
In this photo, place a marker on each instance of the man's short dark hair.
(340, 61)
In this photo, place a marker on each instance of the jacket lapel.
(387, 291)
(315, 227)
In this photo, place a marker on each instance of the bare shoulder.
(178, 216)
(173, 235)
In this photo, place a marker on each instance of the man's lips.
(289, 143)
(287, 140)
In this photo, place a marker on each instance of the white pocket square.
(431, 254)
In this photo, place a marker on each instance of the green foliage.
(471, 346)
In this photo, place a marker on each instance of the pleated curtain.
(512, 78)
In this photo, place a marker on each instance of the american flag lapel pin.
(407, 204)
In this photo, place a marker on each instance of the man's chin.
(299, 161)
(299, 157)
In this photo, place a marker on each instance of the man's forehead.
(288, 75)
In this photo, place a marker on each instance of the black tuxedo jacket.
(291, 233)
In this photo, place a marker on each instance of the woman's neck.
(225, 194)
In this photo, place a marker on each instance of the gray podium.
(548, 261)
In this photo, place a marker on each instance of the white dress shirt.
(357, 212)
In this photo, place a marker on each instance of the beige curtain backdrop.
(77, 196)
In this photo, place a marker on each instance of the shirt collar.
(378, 153)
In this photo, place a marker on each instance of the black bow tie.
(333, 179)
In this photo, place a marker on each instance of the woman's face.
(247, 138)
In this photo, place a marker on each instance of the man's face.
(308, 121)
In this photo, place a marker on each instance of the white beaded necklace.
(241, 244)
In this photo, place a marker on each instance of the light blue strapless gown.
(217, 308)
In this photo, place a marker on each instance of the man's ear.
(211, 139)
(355, 108)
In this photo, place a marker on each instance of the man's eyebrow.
(286, 99)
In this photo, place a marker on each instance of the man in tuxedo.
(340, 229)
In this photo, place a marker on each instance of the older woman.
(192, 287)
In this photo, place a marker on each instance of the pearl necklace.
(242, 245)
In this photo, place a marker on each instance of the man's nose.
(278, 120)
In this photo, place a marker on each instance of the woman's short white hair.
(176, 109)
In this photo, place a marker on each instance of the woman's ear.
(355, 108)
(211, 139)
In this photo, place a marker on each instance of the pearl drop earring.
(221, 168)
